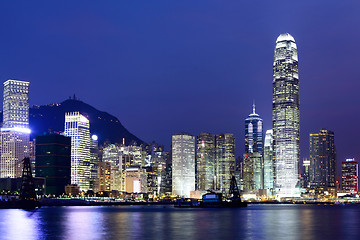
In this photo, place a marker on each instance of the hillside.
(106, 126)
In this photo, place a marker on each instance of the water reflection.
(165, 222)
(18, 224)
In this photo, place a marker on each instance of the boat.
(215, 200)
(187, 203)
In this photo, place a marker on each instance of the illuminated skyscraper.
(205, 161)
(253, 133)
(225, 161)
(286, 116)
(183, 164)
(253, 174)
(322, 159)
(269, 165)
(15, 132)
(350, 176)
(77, 127)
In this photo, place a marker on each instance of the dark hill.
(106, 126)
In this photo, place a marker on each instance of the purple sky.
(167, 66)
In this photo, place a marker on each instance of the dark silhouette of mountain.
(107, 127)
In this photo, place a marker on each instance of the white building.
(286, 116)
(183, 164)
(77, 127)
(269, 162)
(15, 132)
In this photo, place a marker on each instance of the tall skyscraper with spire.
(15, 132)
(286, 116)
(253, 165)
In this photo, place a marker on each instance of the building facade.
(205, 161)
(322, 159)
(15, 132)
(269, 165)
(286, 116)
(77, 127)
(225, 161)
(350, 176)
(183, 164)
(53, 162)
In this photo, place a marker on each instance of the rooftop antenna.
(253, 106)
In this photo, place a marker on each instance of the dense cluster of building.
(72, 161)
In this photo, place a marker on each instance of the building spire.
(253, 106)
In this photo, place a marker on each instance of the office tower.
(253, 160)
(53, 162)
(350, 176)
(15, 132)
(113, 155)
(225, 161)
(94, 162)
(205, 161)
(286, 116)
(306, 174)
(77, 127)
(183, 164)
(252, 171)
(269, 165)
(104, 177)
(253, 133)
(322, 159)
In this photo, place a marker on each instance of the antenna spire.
(253, 106)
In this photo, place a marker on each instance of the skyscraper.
(269, 165)
(77, 127)
(53, 162)
(225, 161)
(183, 164)
(205, 161)
(286, 116)
(350, 176)
(253, 133)
(322, 159)
(253, 174)
(15, 132)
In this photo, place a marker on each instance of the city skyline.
(230, 56)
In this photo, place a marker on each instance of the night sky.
(167, 66)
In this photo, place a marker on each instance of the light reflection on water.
(165, 222)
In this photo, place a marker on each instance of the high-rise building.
(253, 158)
(286, 116)
(77, 127)
(205, 161)
(104, 177)
(113, 155)
(322, 159)
(94, 162)
(183, 164)
(15, 132)
(252, 171)
(225, 161)
(53, 162)
(269, 165)
(253, 133)
(350, 176)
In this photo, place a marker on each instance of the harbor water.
(166, 222)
